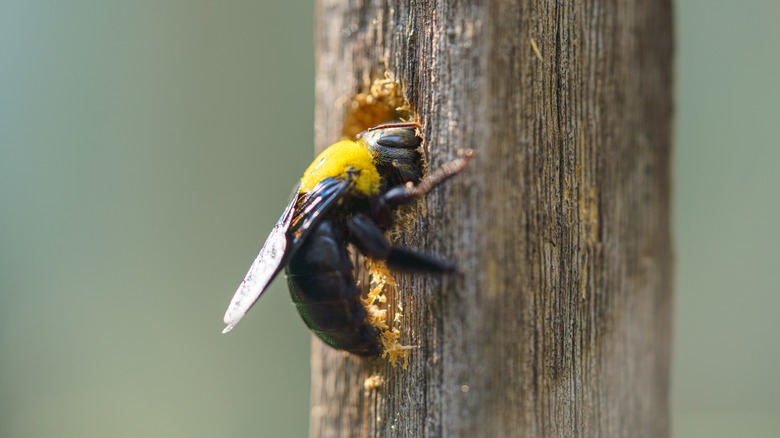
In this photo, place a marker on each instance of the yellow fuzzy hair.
(337, 160)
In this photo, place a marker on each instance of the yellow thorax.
(337, 160)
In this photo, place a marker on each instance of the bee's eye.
(399, 138)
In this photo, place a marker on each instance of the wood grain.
(560, 323)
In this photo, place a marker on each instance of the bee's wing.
(312, 206)
(299, 218)
(266, 266)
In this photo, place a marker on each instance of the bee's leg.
(367, 237)
(370, 240)
(382, 209)
(408, 260)
(405, 193)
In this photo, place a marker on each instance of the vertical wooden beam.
(560, 323)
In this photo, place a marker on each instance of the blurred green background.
(147, 147)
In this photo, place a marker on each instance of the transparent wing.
(266, 266)
(299, 218)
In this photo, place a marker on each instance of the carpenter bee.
(347, 195)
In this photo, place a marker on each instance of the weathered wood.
(560, 323)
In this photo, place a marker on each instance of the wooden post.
(560, 323)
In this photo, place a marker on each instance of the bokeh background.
(147, 147)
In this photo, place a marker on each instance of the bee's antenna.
(396, 125)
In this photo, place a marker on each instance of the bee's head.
(394, 136)
(395, 148)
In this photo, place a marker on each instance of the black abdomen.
(323, 288)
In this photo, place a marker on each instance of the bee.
(346, 196)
